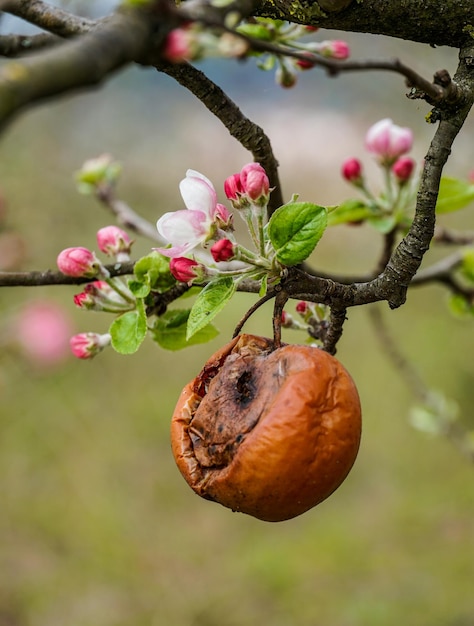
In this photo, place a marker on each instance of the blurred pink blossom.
(387, 141)
(42, 330)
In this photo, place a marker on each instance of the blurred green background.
(97, 527)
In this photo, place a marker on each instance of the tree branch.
(249, 134)
(85, 61)
(380, 17)
(12, 46)
(50, 18)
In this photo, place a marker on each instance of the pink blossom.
(387, 141)
(88, 345)
(193, 226)
(222, 250)
(185, 270)
(403, 169)
(78, 262)
(113, 241)
(180, 45)
(352, 170)
(42, 330)
(255, 183)
(335, 49)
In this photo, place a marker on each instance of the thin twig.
(251, 311)
(128, 217)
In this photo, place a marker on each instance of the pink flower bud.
(403, 169)
(224, 217)
(233, 187)
(42, 330)
(335, 49)
(222, 250)
(180, 45)
(302, 307)
(305, 64)
(387, 141)
(113, 241)
(352, 170)
(185, 270)
(78, 262)
(255, 183)
(88, 345)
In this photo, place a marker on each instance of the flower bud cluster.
(192, 42)
(106, 294)
(389, 144)
(201, 240)
(98, 174)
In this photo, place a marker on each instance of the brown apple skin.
(266, 432)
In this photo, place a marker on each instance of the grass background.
(97, 527)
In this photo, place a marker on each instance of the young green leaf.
(129, 330)
(349, 211)
(169, 331)
(454, 194)
(153, 270)
(209, 303)
(295, 229)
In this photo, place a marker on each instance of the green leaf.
(460, 306)
(209, 303)
(169, 331)
(256, 31)
(138, 288)
(349, 211)
(295, 229)
(435, 415)
(454, 194)
(129, 330)
(383, 223)
(153, 271)
(467, 265)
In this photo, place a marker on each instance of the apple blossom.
(79, 262)
(191, 227)
(387, 141)
(88, 345)
(114, 241)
